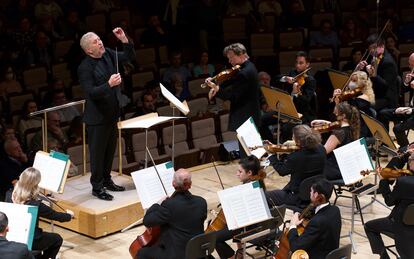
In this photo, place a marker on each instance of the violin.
(223, 76)
(327, 127)
(391, 173)
(284, 247)
(300, 79)
(218, 223)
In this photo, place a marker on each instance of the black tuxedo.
(400, 197)
(102, 110)
(181, 217)
(14, 250)
(243, 91)
(321, 235)
(299, 165)
(386, 83)
(10, 171)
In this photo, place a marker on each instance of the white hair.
(85, 40)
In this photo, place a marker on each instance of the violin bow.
(156, 170)
(116, 60)
(303, 72)
(218, 175)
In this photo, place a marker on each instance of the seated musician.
(322, 233)
(249, 170)
(348, 116)
(303, 98)
(308, 161)
(26, 191)
(403, 117)
(400, 197)
(365, 101)
(181, 217)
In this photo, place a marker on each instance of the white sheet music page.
(352, 159)
(244, 205)
(174, 100)
(148, 122)
(251, 137)
(52, 171)
(148, 184)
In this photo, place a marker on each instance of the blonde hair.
(27, 187)
(364, 81)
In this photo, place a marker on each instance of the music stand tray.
(338, 78)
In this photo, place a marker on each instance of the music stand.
(381, 137)
(338, 78)
(44, 126)
(284, 106)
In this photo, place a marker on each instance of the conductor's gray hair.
(85, 40)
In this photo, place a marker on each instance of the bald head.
(182, 180)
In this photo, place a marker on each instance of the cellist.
(321, 234)
(249, 170)
(180, 217)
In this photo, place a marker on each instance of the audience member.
(48, 8)
(72, 27)
(26, 122)
(350, 33)
(66, 114)
(294, 17)
(147, 104)
(41, 52)
(176, 68)
(156, 33)
(203, 68)
(392, 47)
(55, 85)
(269, 6)
(9, 83)
(75, 131)
(326, 36)
(103, 6)
(356, 55)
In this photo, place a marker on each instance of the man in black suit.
(11, 166)
(242, 90)
(101, 83)
(323, 231)
(383, 73)
(400, 197)
(308, 161)
(180, 217)
(11, 249)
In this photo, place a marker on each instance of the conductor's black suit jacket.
(181, 217)
(102, 101)
(321, 235)
(14, 250)
(244, 94)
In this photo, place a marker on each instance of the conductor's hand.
(115, 80)
(120, 34)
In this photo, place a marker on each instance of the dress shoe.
(111, 186)
(102, 194)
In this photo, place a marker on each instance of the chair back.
(343, 252)
(304, 189)
(201, 246)
(408, 217)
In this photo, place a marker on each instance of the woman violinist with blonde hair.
(26, 191)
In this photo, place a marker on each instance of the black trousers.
(222, 248)
(153, 252)
(280, 197)
(402, 122)
(102, 143)
(49, 244)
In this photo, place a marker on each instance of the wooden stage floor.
(206, 184)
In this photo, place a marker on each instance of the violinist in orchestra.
(180, 217)
(308, 161)
(400, 197)
(402, 117)
(26, 191)
(348, 131)
(383, 72)
(249, 170)
(358, 93)
(242, 90)
(322, 233)
(302, 89)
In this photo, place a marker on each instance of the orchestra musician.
(383, 73)
(243, 90)
(348, 116)
(101, 81)
(402, 117)
(308, 161)
(363, 102)
(303, 98)
(180, 217)
(249, 170)
(400, 197)
(321, 235)
(26, 191)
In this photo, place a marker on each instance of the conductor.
(100, 81)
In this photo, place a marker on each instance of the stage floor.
(206, 184)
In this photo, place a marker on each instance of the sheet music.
(244, 205)
(177, 103)
(22, 221)
(146, 123)
(52, 171)
(251, 137)
(148, 184)
(352, 159)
